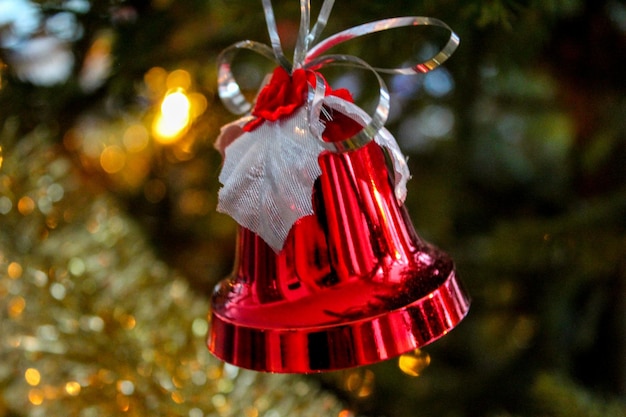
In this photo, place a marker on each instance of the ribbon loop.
(272, 29)
(306, 37)
(302, 45)
(313, 59)
(322, 19)
(386, 24)
(227, 87)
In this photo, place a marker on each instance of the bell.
(354, 284)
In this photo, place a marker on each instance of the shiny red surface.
(354, 284)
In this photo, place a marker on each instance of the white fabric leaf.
(269, 173)
(268, 177)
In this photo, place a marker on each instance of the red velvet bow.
(284, 94)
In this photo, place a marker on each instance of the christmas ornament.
(330, 272)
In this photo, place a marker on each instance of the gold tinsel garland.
(94, 324)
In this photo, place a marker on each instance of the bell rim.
(347, 344)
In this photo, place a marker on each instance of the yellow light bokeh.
(32, 377)
(155, 80)
(178, 79)
(35, 396)
(72, 388)
(179, 105)
(198, 104)
(15, 270)
(360, 382)
(25, 205)
(112, 159)
(16, 306)
(174, 117)
(176, 106)
(413, 363)
(136, 138)
(128, 322)
(177, 398)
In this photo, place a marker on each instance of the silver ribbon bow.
(268, 173)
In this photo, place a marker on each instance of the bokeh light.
(15, 270)
(174, 117)
(413, 363)
(178, 105)
(72, 388)
(136, 138)
(112, 159)
(32, 376)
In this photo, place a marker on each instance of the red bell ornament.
(329, 272)
(354, 284)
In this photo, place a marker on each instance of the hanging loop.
(311, 57)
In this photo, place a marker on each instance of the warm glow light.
(198, 104)
(413, 363)
(174, 117)
(32, 376)
(35, 396)
(136, 138)
(155, 80)
(16, 306)
(15, 270)
(361, 383)
(178, 79)
(72, 388)
(128, 322)
(112, 159)
(25, 205)
(178, 398)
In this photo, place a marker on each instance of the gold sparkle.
(15, 270)
(32, 377)
(128, 322)
(112, 159)
(35, 396)
(361, 382)
(177, 398)
(25, 205)
(72, 388)
(16, 306)
(413, 363)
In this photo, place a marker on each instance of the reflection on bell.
(353, 285)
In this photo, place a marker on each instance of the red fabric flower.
(280, 97)
(285, 93)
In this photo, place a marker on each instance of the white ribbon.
(268, 174)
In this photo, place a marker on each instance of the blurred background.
(110, 244)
